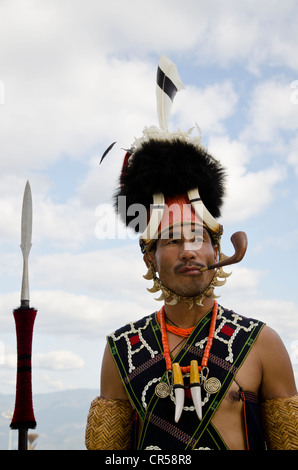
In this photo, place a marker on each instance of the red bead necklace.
(185, 332)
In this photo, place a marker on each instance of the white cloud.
(271, 112)
(10, 360)
(83, 315)
(95, 272)
(61, 313)
(11, 195)
(248, 192)
(233, 31)
(68, 225)
(87, 293)
(50, 383)
(58, 360)
(280, 315)
(243, 294)
(83, 95)
(52, 360)
(284, 243)
(243, 280)
(74, 116)
(209, 107)
(293, 154)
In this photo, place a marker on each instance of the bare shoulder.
(277, 372)
(111, 385)
(269, 341)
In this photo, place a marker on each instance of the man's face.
(179, 257)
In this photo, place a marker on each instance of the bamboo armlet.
(280, 422)
(108, 425)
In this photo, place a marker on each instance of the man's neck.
(183, 316)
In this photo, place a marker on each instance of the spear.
(23, 417)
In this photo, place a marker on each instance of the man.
(193, 374)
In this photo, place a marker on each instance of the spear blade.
(26, 238)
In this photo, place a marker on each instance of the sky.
(76, 76)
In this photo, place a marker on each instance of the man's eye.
(174, 241)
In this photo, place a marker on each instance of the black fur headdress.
(170, 167)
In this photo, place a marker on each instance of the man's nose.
(192, 245)
(189, 249)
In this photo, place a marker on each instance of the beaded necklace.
(197, 378)
(185, 332)
(173, 329)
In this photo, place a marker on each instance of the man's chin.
(189, 292)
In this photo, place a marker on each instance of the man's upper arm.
(111, 385)
(277, 372)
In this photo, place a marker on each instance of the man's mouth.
(193, 269)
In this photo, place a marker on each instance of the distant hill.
(61, 420)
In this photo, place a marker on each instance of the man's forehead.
(185, 230)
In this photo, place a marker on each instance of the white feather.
(164, 103)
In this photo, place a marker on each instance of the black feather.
(107, 151)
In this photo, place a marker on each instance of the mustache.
(189, 265)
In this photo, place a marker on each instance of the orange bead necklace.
(185, 332)
(173, 328)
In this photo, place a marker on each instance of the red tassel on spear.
(23, 417)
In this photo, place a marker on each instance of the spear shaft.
(23, 417)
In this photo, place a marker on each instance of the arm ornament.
(109, 424)
(280, 422)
